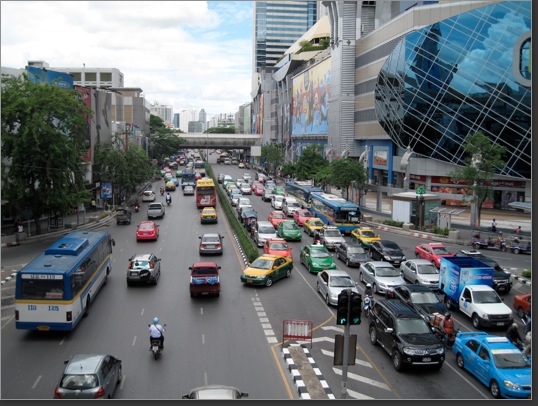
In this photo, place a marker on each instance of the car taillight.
(202, 245)
(100, 393)
(57, 394)
(219, 245)
(151, 265)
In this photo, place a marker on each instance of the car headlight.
(387, 257)
(383, 285)
(485, 316)
(412, 351)
(511, 385)
(423, 280)
(315, 263)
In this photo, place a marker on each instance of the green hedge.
(527, 273)
(249, 248)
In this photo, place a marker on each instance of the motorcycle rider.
(368, 290)
(317, 238)
(162, 190)
(390, 293)
(168, 198)
(447, 327)
(156, 331)
(513, 335)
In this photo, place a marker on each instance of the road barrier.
(297, 330)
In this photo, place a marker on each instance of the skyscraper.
(277, 25)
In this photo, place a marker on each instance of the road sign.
(420, 190)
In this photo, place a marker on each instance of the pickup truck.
(123, 215)
(205, 279)
(156, 209)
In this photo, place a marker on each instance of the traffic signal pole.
(345, 358)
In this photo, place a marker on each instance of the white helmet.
(368, 285)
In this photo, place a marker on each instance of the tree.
(310, 162)
(273, 155)
(164, 140)
(220, 130)
(482, 157)
(345, 171)
(44, 136)
(288, 170)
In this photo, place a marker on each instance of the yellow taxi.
(365, 236)
(170, 186)
(208, 215)
(312, 225)
(266, 269)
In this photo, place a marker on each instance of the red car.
(522, 303)
(300, 216)
(276, 217)
(432, 252)
(147, 230)
(258, 191)
(277, 246)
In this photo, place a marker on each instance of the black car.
(502, 282)
(404, 335)
(352, 254)
(386, 250)
(421, 298)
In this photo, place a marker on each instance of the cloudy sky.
(188, 54)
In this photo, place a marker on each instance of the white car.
(421, 272)
(277, 201)
(331, 282)
(263, 231)
(331, 237)
(381, 275)
(148, 196)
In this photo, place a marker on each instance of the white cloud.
(190, 54)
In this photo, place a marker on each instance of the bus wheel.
(87, 308)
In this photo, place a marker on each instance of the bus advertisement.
(205, 193)
(335, 211)
(188, 178)
(55, 290)
(302, 191)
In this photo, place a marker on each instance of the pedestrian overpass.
(220, 141)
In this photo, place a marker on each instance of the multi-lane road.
(234, 339)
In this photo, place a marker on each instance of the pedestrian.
(518, 230)
(94, 205)
(494, 226)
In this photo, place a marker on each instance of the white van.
(290, 205)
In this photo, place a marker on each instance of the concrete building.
(165, 112)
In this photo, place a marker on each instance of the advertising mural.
(106, 190)
(310, 101)
(40, 75)
(380, 157)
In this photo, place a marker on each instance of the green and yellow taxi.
(266, 269)
(208, 215)
(170, 186)
(312, 225)
(364, 236)
(316, 258)
(289, 230)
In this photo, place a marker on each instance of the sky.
(188, 54)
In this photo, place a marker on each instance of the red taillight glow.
(100, 393)
(151, 265)
(57, 394)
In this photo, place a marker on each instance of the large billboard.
(40, 75)
(310, 101)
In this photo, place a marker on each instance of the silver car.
(210, 243)
(421, 272)
(89, 376)
(263, 231)
(331, 282)
(221, 392)
(144, 268)
(332, 236)
(381, 275)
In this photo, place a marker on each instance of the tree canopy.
(163, 140)
(44, 136)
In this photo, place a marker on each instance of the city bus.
(205, 193)
(335, 211)
(55, 290)
(199, 167)
(302, 191)
(188, 178)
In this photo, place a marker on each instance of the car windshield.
(486, 297)
(204, 270)
(210, 239)
(341, 282)
(332, 233)
(146, 227)
(510, 358)
(320, 254)
(279, 215)
(387, 272)
(290, 226)
(355, 250)
(427, 269)
(267, 230)
(305, 214)
(139, 264)
(278, 246)
(412, 326)
(440, 250)
(293, 204)
(316, 223)
(424, 297)
(368, 234)
(262, 263)
(79, 382)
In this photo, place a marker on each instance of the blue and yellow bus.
(55, 290)
(302, 191)
(335, 211)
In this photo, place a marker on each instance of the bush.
(440, 231)
(527, 273)
(393, 223)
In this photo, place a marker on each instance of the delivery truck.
(466, 284)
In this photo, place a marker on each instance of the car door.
(324, 283)
(109, 377)
(305, 255)
(375, 251)
(410, 271)
(465, 299)
(280, 268)
(482, 365)
(384, 322)
(368, 276)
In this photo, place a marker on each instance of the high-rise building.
(185, 116)
(176, 120)
(162, 111)
(202, 117)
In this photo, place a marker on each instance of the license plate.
(249, 280)
(396, 262)
(500, 323)
(427, 359)
(134, 273)
(210, 246)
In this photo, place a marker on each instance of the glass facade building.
(468, 73)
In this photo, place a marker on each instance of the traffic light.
(355, 308)
(342, 309)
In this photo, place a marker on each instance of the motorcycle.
(137, 207)
(162, 191)
(367, 305)
(169, 202)
(156, 346)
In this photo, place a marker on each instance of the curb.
(301, 387)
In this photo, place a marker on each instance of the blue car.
(495, 362)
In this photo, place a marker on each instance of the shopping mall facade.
(400, 90)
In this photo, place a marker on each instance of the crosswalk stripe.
(362, 379)
(357, 361)
(357, 395)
